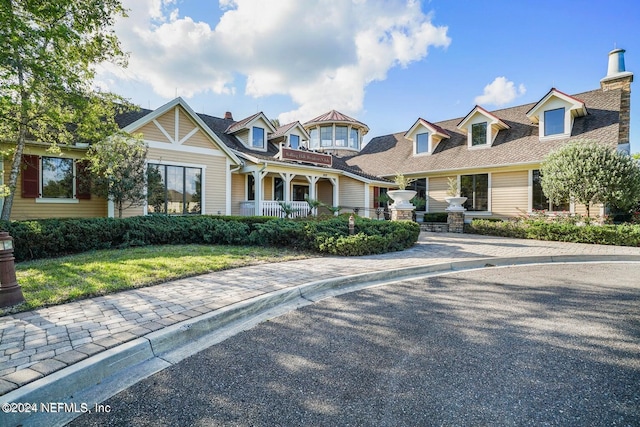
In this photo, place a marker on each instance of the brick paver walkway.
(37, 343)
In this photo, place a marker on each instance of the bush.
(436, 217)
(560, 230)
(55, 237)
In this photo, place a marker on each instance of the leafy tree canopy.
(48, 51)
(589, 173)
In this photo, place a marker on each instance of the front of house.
(220, 166)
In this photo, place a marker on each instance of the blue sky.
(384, 62)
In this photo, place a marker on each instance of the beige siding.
(185, 125)
(243, 136)
(168, 122)
(509, 194)
(351, 194)
(594, 210)
(437, 191)
(151, 132)
(267, 188)
(27, 208)
(325, 195)
(238, 190)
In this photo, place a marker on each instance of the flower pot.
(455, 204)
(401, 198)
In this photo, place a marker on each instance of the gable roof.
(519, 144)
(282, 130)
(246, 122)
(578, 107)
(140, 120)
(435, 129)
(495, 121)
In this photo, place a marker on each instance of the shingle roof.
(282, 130)
(239, 125)
(387, 154)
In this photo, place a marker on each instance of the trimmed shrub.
(436, 217)
(55, 237)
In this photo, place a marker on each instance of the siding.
(185, 125)
(27, 208)
(509, 194)
(437, 191)
(325, 195)
(152, 133)
(351, 193)
(238, 184)
(168, 122)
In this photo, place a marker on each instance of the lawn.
(59, 280)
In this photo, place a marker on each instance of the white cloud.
(321, 53)
(499, 92)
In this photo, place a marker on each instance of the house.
(220, 166)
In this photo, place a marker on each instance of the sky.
(384, 62)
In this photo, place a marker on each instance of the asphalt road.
(539, 345)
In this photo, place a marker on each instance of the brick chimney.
(228, 115)
(618, 78)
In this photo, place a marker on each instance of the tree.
(48, 50)
(588, 172)
(118, 171)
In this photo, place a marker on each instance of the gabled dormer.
(425, 137)
(292, 135)
(481, 127)
(555, 114)
(253, 131)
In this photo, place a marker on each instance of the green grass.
(59, 280)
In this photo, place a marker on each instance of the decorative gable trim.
(173, 105)
(478, 116)
(555, 100)
(435, 134)
(249, 124)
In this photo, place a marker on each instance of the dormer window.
(554, 122)
(425, 136)
(479, 134)
(294, 142)
(554, 114)
(257, 139)
(481, 127)
(422, 143)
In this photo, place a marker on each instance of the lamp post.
(352, 224)
(10, 292)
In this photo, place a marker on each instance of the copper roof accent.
(334, 116)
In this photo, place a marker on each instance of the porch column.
(258, 176)
(287, 178)
(336, 193)
(313, 180)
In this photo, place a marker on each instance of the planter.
(455, 204)
(401, 198)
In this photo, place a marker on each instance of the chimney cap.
(616, 68)
(228, 115)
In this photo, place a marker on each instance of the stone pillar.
(455, 220)
(401, 214)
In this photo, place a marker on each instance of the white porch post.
(313, 180)
(287, 178)
(336, 193)
(258, 176)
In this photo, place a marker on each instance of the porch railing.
(273, 208)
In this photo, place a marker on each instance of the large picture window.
(541, 202)
(476, 189)
(57, 178)
(174, 190)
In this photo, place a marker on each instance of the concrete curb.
(101, 376)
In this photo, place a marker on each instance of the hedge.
(563, 231)
(55, 237)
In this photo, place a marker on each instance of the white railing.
(273, 208)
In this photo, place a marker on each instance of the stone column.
(455, 220)
(401, 214)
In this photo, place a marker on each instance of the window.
(258, 137)
(278, 189)
(422, 143)
(294, 141)
(57, 178)
(540, 202)
(476, 189)
(341, 136)
(326, 136)
(300, 192)
(174, 190)
(354, 139)
(314, 135)
(554, 122)
(479, 134)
